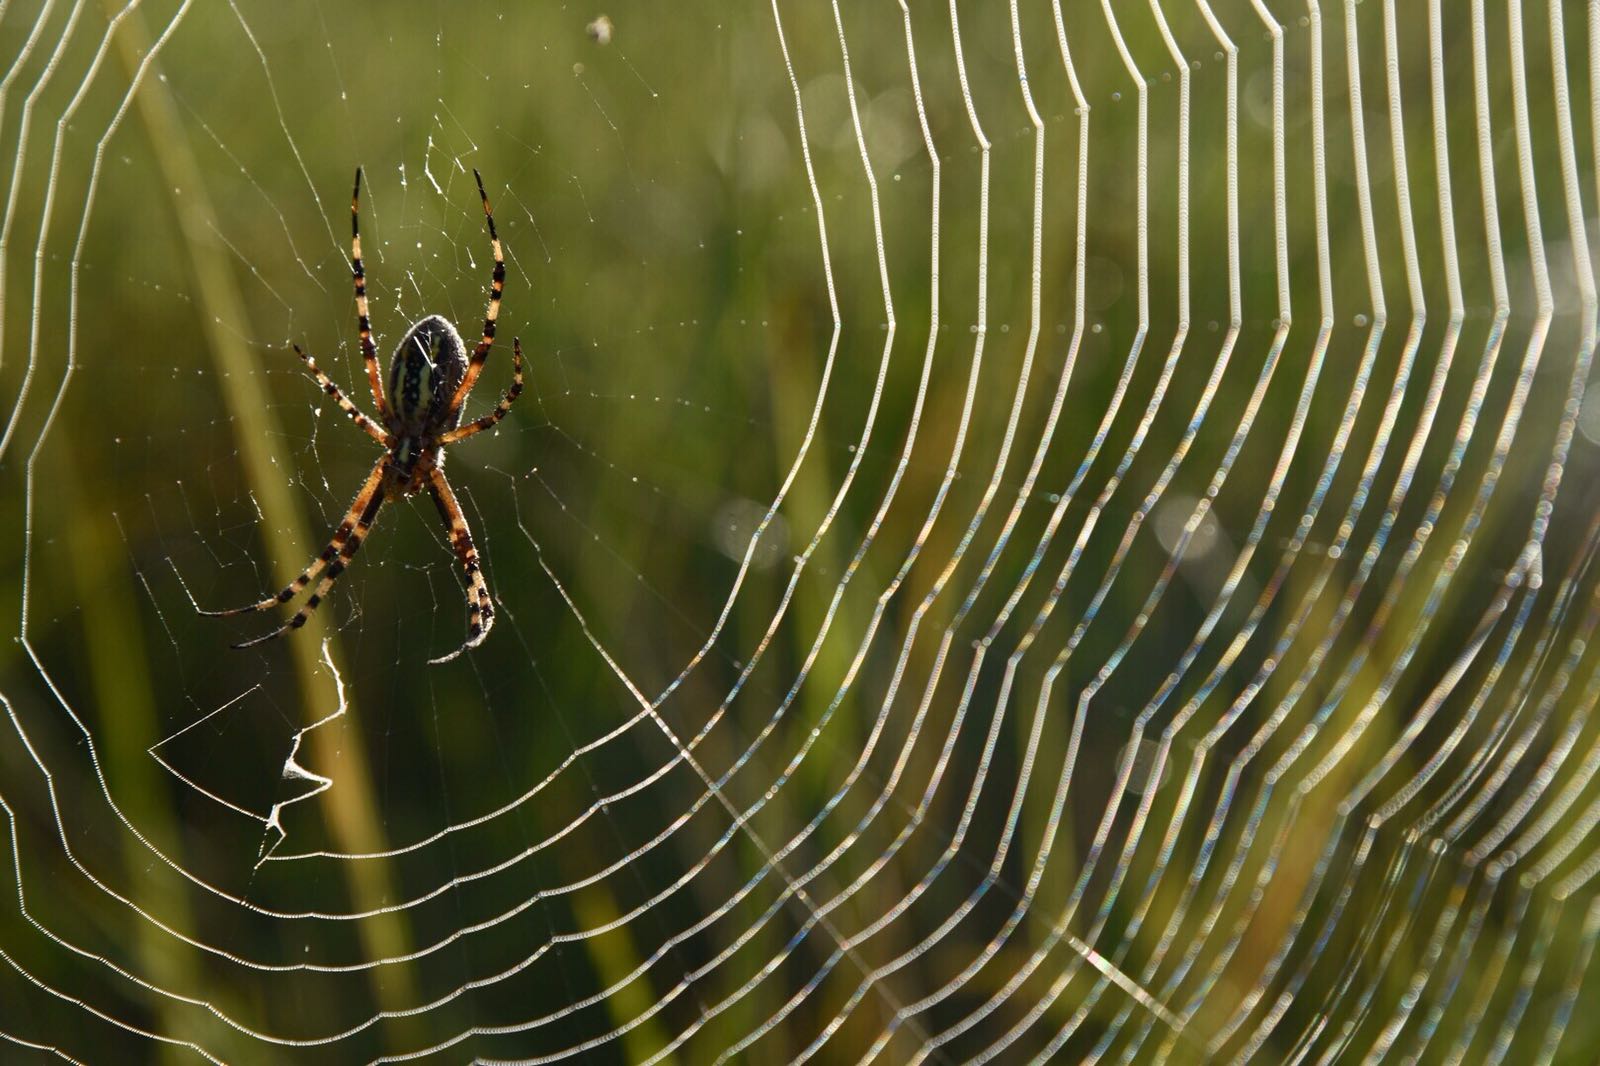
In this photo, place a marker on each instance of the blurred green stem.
(349, 806)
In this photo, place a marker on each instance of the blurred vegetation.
(667, 280)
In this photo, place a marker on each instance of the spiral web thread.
(1243, 709)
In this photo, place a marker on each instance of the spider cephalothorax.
(430, 376)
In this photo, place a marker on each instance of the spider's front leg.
(334, 558)
(480, 609)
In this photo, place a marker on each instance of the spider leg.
(500, 410)
(378, 433)
(480, 610)
(352, 544)
(363, 500)
(497, 285)
(369, 351)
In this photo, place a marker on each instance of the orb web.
(1035, 530)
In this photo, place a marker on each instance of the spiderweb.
(1036, 530)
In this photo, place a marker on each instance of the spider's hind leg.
(493, 417)
(497, 286)
(369, 352)
(337, 395)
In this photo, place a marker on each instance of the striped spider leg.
(430, 377)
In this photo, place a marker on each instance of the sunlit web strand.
(1310, 597)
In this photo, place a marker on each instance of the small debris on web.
(600, 30)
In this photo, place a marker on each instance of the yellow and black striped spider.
(430, 376)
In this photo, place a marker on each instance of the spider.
(430, 375)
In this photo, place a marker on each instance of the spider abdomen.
(428, 364)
